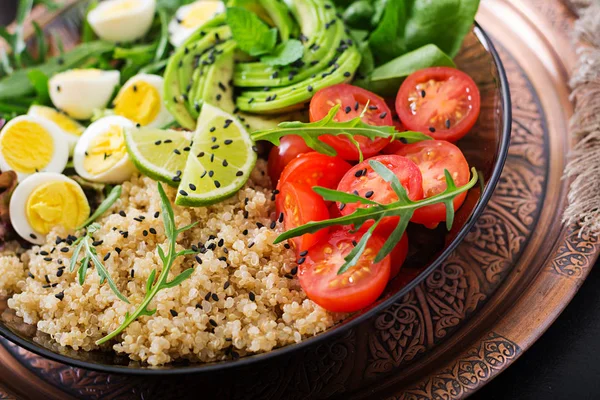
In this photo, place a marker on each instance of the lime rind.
(153, 153)
(220, 161)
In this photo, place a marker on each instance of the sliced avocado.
(322, 34)
(281, 17)
(293, 97)
(217, 90)
(181, 68)
(264, 122)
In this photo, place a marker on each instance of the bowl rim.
(222, 366)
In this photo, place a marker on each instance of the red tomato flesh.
(314, 169)
(440, 101)
(353, 290)
(432, 157)
(364, 181)
(353, 101)
(290, 147)
(300, 205)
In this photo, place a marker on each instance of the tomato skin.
(314, 169)
(432, 157)
(407, 171)
(377, 113)
(300, 205)
(323, 261)
(448, 110)
(290, 147)
(398, 256)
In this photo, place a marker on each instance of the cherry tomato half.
(353, 101)
(433, 157)
(300, 205)
(440, 101)
(314, 169)
(353, 290)
(364, 181)
(290, 147)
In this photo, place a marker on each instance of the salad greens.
(403, 208)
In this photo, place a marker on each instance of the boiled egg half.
(141, 101)
(101, 154)
(122, 20)
(78, 92)
(70, 128)
(30, 144)
(46, 200)
(190, 17)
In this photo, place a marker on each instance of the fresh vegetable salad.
(208, 179)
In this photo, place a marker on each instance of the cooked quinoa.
(242, 298)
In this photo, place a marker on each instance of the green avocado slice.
(322, 33)
(281, 17)
(294, 96)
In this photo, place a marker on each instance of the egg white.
(123, 25)
(37, 111)
(178, 33)
(121, 171)
(18, 203)
(163, 117)
(60, 156)
(79, 92)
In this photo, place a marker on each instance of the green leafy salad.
(359, 103)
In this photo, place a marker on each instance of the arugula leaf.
(386, 79)
(285, 53)
(404, 208)
(39, 81)
(251, 34)
(311, 132)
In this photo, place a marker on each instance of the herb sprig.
(403, 208)
(162, 282)
(311, 132)
(85, 244)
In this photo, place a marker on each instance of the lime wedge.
(220, 161)
(160, 154)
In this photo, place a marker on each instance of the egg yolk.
(27, 147)
(56, 203)
(139, 102)
(121, 7)
(65, 123)
(105, 151)
(199, 13)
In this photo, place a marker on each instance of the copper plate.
(470, 319)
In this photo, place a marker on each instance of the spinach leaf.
(410, 24)
(386, 79)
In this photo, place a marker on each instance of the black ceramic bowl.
(485, 148)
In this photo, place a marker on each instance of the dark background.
(563, 364)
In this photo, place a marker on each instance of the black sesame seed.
(228, 141)
(175, 179)
(294, 271)
(219, 97)
(183, 192)
(423, 93)
(44, 253)
(221, 242)
(125, 234)
(287, 246)
(198, 305)
(217, 184)
(225, 163)
(289, 276)
(372, 108)
(211, 173)
(64, 249)
(301, 260)
(198, 259)
(47, 279)
(157, 214)
(29, 274)
(310, 88)
(447, 124)
(47, 259)
(215, 297)
(354, 243)
(250, 245)
(118, 250)
(31, 235)
(383, 115)
(251, 100)
(245, 232)
(431, 129)
(369, 194)
(239, 173)
(304, 253)
(158, 142)
(106, 257)
(348, 109)
(201, 154)
(280, 219)
(342, 206)
(122, 214)
(226, 285)
(251, 296)
(215, 146)
(145, 233)
(358, 173)
(192, 186)
(273, 224)
(169, 141)
(212, 322)
(222, 87)
(60, 295)
(347, 74)
(173, 313)
(207, 297)
(97, 243)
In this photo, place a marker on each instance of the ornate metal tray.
(472, 317)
